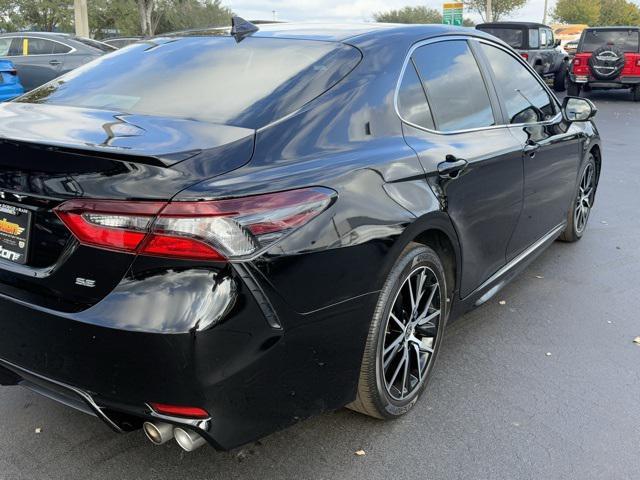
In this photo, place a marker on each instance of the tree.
(597, 12)
(414, 15)
(409, 15)
(499, 8)
(145, 10)
(42, 15)
(109, 17)
(184, 14)
(577, 11)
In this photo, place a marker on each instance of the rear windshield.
(103, 47)
(627, 40)
(514, 37)
(215, 79)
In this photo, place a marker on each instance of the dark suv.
(607, 58)
(283, 229)
(536, 44)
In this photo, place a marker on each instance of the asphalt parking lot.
(543, 382)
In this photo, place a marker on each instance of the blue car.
(10, 86)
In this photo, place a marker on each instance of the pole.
(544, 15)
(488, 12)
(81, 18)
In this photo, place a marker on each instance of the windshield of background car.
(249, 84)
(627, 40)
(511, 36)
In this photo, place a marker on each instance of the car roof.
(336, 32)
(39, 34)
(513, 24)
(621, 27)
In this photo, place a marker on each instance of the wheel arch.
(436, 231)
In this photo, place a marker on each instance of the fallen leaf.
(38, 430)
(360, 453)
(636, 340)
(502, 302)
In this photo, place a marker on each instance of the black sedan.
(42, 56)
(283, 229)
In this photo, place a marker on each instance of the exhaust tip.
(188, 440)
(158, 433)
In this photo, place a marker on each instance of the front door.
(551, 149)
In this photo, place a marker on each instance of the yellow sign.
(10, 228)
(455, 5)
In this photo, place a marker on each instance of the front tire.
(580, 209)
(404, 336)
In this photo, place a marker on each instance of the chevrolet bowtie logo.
(10, 228)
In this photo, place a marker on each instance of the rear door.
(551, 149)
(38, 60)
(452, 119)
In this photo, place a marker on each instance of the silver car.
(43, 56)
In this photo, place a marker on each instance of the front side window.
(534, 38)
(5, 44)
(454, 86)
(525, 99)
(543, 38)
(412, 101)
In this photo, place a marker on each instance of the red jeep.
(607, 57)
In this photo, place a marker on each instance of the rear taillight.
(525, 56)
(206, 230)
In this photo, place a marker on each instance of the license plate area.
(15, 226)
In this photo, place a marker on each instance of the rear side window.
(455, 88)
(412, 101)
(5, 44)
(38, 46)
(215, 79)
(544, 41)
(525, 99)
(60, 48)
(627, 40)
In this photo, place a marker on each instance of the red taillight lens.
(207, 230)
(525, 56)
(179, 411)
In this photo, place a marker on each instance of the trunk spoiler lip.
(152, 140)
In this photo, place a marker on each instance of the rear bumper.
(252, 378)
(620, 82)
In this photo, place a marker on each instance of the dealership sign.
(452, 13)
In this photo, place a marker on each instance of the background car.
(120, 42)
(571, 47)
(607, 58)
(40, 57)
(10, 86)
(536, 43)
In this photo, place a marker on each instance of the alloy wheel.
(411, 332)
(584, 199)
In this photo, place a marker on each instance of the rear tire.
(573, 89)
(580, 208)
(560, 78)
(389, 386)
(635, 93)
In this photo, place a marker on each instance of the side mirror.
(557, 42)
(576, 109)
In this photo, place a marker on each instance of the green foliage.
(409, 15)
(46, 15)
(500, 8)
(597, 13)
(418, 14)
(175, 15)
(113, 17)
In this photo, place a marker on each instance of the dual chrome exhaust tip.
(160, 432)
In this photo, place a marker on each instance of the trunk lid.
(49, 154)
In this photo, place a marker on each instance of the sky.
(352, 10)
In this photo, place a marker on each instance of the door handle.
(451, 167)
(531, 148)
(55, 63)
